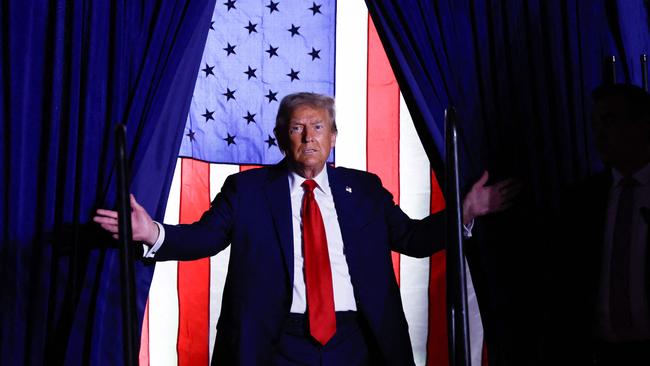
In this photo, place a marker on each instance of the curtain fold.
(520, 74)
(70, 71)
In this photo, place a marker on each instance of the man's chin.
(313, 165)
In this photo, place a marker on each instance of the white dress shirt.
(343, 292)
(638, 261)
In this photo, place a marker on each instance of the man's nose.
(307, 134)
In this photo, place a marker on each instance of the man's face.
(310, 139)
(619, 138)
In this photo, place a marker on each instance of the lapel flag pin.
(348, 189)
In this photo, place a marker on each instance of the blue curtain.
(519, 74)
(70, 71)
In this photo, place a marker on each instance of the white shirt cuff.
(467, 229)
(150, 252)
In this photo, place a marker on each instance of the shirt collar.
(642, 176)
(295, 182)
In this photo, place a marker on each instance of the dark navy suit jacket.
(252, 213)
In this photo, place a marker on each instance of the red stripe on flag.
(437, 198)
(437, 341)
(437, 346)
(382, 120)
(484, 354)
(194, 276)
(243, 168)
(144, 338)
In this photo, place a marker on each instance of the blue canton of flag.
(256, 53)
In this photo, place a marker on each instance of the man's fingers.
(110, 228)
(508, 195)
(106, 213)
(134, 204)
(508, 189)
(511, 191)
(105, 220)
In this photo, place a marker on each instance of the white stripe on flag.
(350, 83)
(415, 198)
(219, 262)
(163, 295)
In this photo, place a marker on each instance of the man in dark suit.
(310, 279)
(603, 313)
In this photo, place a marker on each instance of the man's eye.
(295, 129)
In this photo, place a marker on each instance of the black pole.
(129, 328)
(456, 279)
(612, 70)
(644, 71)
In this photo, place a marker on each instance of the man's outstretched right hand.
(143, 227)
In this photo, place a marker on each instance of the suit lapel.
(277, 194)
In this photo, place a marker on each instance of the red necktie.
(318, 274)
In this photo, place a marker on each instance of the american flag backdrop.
(257, 51)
